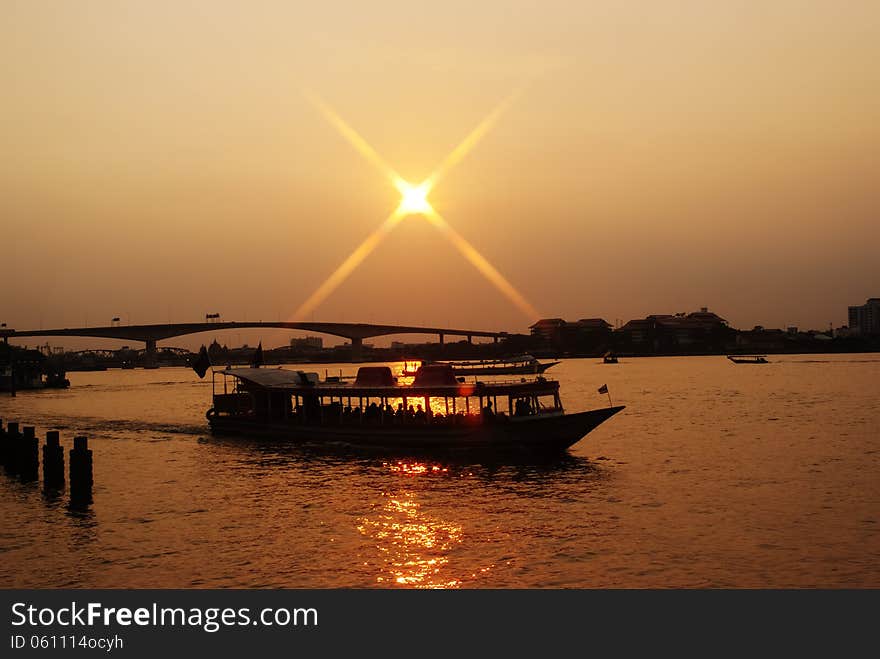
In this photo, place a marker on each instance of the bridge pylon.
(357, 349)
(151, 355)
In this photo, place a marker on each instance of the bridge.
(151, 334)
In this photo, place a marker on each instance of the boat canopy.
(374, 376)
(435, 375)
(271, 378)
(301, 383)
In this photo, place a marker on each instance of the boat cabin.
(435, 397)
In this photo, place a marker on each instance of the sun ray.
(363, 147)
(354, 259)
(468, 143)
(414, 202)
(480, 263)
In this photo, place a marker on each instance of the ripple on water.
(714, 476)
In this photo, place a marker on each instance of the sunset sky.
(162, 159)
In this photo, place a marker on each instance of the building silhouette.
(697, 332)
(585, 336)
(864, 320)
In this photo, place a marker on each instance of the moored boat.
(519, 365)
(436, 412)
(748, 359)
(23, 369)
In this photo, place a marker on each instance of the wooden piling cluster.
(20, 456)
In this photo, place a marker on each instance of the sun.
(413, 198)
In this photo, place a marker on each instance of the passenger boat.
(520, 365)
(609, 358)
(748, 359)
(436, 412)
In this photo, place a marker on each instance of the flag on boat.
(258, 356)
(603, 389)
(202, 363)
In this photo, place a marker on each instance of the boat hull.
(541, 433)
(528, 369)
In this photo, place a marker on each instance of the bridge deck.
(356, 332)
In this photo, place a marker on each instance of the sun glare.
(414, 201)
(413, 198)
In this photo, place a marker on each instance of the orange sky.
(161, 160)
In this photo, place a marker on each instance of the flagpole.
(610, 404)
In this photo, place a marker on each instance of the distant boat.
(520, 365)
(748, 359)
(609, 359)
(29, 376)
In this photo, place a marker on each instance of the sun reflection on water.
(413, 545)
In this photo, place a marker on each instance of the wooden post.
(53, 461)
(29, 455)
(10, 450)
(80, 471)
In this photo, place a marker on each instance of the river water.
(716, 475)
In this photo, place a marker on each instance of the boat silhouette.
(437, 412)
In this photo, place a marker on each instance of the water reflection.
(413, 545)
(429, 522)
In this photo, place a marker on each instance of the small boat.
(22, 369)
(609, 358)
(437, 412)
(748, 359)
(520, 365)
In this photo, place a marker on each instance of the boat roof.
(280, 379)
(270, 378)
(518, 359)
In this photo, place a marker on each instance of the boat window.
(547, 402)
(522, 406)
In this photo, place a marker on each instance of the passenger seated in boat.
(487, 413)
(420, 415)
(522, 407)
(411, 413)
(399, 414)
(334, 411)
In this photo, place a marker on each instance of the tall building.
(864, 320)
